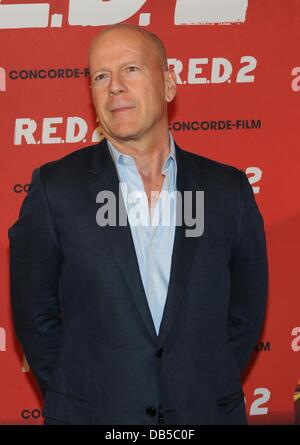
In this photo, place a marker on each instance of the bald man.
(124, 318)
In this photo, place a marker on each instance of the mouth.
(121, 109)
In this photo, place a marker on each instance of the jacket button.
(159, 352)
(151, 411)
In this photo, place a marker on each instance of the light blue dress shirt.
(152, 232)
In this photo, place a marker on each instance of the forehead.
(121, 44)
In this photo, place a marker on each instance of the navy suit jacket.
(81, 314)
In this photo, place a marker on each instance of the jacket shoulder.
(72, 162)
(224, 177)
(211, 165)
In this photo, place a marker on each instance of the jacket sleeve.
(249, 278)
(35, 262)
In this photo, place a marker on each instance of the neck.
(149, 153)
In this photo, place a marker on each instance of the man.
(128, 323)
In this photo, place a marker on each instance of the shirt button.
(151, 411)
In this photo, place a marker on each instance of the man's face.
(129, 85)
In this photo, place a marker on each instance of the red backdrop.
(238, 70)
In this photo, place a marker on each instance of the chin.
(125, 134)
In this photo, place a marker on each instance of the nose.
(116, 85)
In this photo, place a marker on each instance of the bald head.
(153, 39)
(131, 83)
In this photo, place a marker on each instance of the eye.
(131, 68)
(101, 76)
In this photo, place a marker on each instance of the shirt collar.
(121, 158)
(172, 155)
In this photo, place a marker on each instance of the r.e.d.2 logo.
(108, 12)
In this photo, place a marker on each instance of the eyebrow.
(131, 62)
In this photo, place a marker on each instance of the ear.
(170, 85)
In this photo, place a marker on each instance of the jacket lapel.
(103, 176)
(188, 174)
